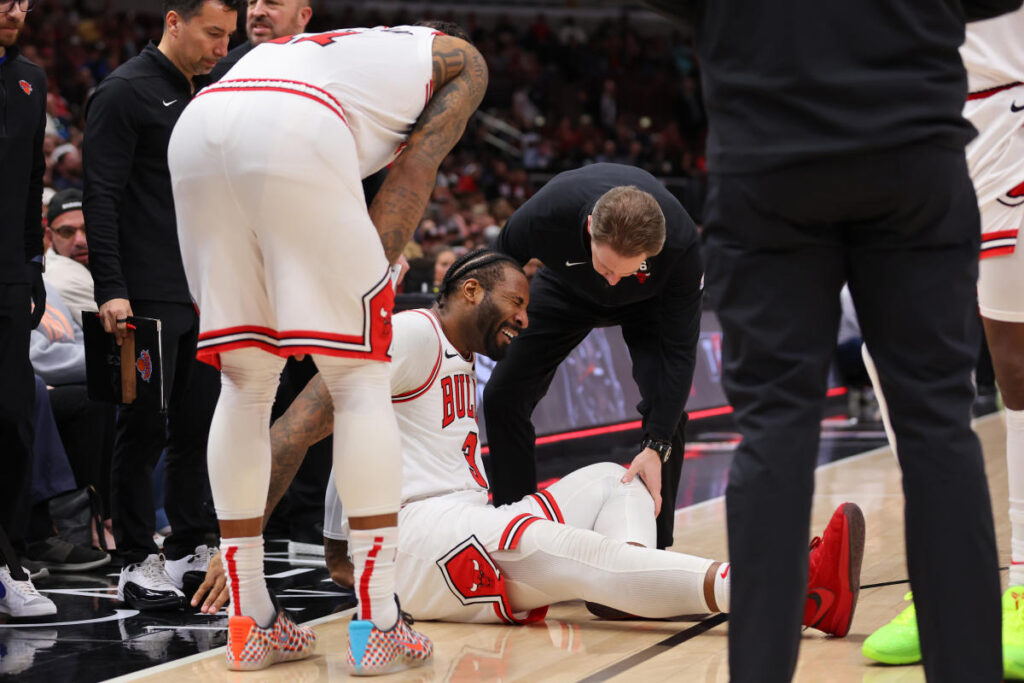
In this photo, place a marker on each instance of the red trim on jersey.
(211, 354)
(548, 503)
(420, 390)
(504, 612)
(514, 531)
(989, 92)
(995, 243)
(222, 87)
(995, 251)
(286, 334)
(229, 558)
(364, 579)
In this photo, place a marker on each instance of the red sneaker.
(834, 580)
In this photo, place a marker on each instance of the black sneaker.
(59, 555)
(146, 586)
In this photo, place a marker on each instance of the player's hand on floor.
(647, 464)
(214, 588)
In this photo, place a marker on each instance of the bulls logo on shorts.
(471, 574)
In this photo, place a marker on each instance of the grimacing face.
(269, 19)
(501, 316)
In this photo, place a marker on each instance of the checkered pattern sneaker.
(372, 652)
(251, 648)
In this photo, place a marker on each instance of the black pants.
(902, 227)
(87, 431)
(17, 394)
(559, 321)
(142, 434)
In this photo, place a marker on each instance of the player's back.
(381, 78)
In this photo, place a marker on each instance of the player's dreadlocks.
(484, 265)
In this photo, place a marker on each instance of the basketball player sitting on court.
(589, 536)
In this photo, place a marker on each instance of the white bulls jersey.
(433, 390)
(377, 80)
(993, 52)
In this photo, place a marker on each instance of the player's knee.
(250, 373)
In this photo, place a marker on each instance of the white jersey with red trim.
(993, 52)
(433, 390)
(377, 79)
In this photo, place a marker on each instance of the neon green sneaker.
(1013, 633)
(897, 642)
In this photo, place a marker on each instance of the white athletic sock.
(1015, 475)
(723, 582)
(373, 554)
(243, 565)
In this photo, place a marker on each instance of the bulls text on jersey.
(458, 393)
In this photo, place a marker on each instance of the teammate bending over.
(283, 258)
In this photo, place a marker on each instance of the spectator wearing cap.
(67, 261)
(66, 167)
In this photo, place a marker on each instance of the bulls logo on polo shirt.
(25, 86)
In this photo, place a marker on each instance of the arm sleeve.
(34, 209)
(662, 342)
(108, 151)
(415, 352)
(978, 10)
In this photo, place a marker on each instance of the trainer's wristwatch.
(662, 448)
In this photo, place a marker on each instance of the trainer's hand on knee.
(647, 464)
(214, 588)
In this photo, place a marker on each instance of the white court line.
(290, 572)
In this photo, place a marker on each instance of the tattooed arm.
(460, 79)
(308, 419)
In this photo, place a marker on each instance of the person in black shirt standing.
(136, 266)
(618, 249)
(836, 153)
(22, 294)
(266, 20)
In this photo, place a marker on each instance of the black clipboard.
(130, 374)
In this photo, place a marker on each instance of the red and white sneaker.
(372, 652)
(834, 579)
(251, 647)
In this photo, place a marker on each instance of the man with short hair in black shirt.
(266, 20)
(22, 122)
(618, 250)
(136, 265)
(836, 153)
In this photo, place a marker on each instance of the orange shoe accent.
(238, 636)
(251, 647)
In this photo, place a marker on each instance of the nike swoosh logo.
(823, 599)
(415, 647)
(725, 572)
(575, 263)
(1014, 108)
(450, 355)
(167, 104)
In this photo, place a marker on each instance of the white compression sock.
(555, 563)
(243, 565)
(368, 474)
(1015, 476)
(373, 554)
